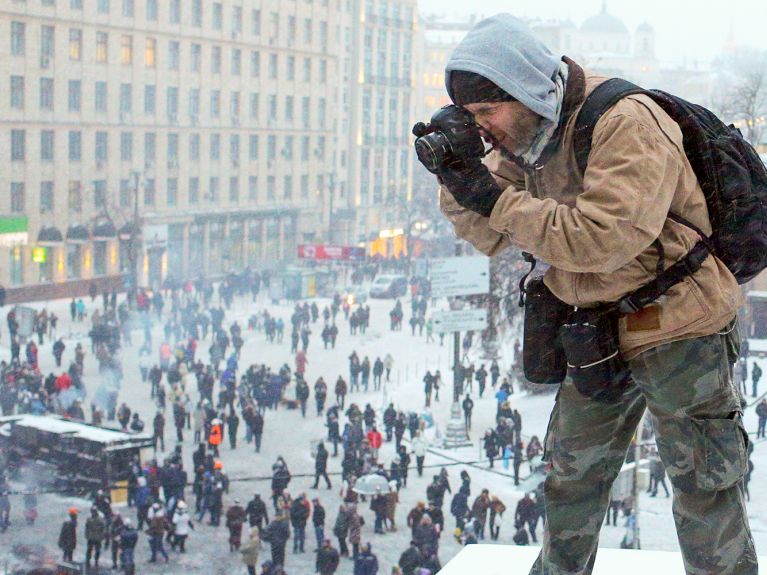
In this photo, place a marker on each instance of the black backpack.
(730, 172)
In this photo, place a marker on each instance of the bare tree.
(742, 97)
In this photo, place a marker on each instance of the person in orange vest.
(375, 440)
(165, 355)
(214, 436)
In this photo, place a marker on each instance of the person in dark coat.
(299, 515)
(327, 559)
(410, 559)
(235, 518)
(256, 512)
(95, 534)
(459, 507)
(366, 563)
(277, 534)
(321, 466)
(68, 535)
(318, 521)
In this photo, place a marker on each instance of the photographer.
(603, 234)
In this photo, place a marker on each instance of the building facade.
(210, 127)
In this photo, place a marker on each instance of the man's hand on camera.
(472, 185)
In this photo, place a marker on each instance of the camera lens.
(432, 150)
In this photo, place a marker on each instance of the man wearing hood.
(604, 233)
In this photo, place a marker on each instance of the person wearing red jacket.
(375, 440)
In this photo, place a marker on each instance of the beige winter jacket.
(596, 231)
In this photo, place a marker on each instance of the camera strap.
(529, 258)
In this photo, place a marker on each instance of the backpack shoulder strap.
(601, 99)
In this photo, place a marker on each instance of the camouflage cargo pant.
(688, 389)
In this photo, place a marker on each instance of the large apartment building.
(225, 132)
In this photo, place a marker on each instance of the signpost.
(459, 320)
(460, 276)
(453, 277)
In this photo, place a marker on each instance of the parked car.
(355, 295)
(389, 286)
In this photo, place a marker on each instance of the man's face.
(508, 125)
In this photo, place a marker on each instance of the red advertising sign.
(328, 252)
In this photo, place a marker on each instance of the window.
(175, 12)
(234, 105)
(307, 70)
(151, 10)
(102, 46)
(308, 30)
(305, 146)
(304, 186)
(215, 60)
(173, 147)
(74, 196)
(273, 66)
(324, 35)
(46, 197)
(150, 99)
(126, 146)
(172, 191)
(197, 13)
(172, 102)
(150, 148)
(125, 194)
(237, 20)
(274, 26)
(253, 147)
(215, 146)
(149, 192)
(17, 92)
(218, 12)
(234, 189)
(46, 93)
(47, 45)
(252, 187)
(287, 192)
(100, 97)
(126, 49)
(213, 190)
(291, 68)
(150, 53)
(194, 103)
(126, 98)
(254, 101)
(271, 107)
(103, 6)
(289, 108)
(271, 151)
(75, 44)
(174, 54)
(287, 151)
(255, 22)
(18, 145)
(291, 30)
(194, 147)
(17, 197)
(75, 148)
(196, 58)
(236, 61)
(18, 38)
(271, 184)
(194, 190)
(234, 149)
(255, 63)
(100, 195)
(306, 104)
(46, 145)
(128, 8)
(99, 258)
(102, 152)
(323, 71)
(74, 96)
(215, 103)
(321, 112)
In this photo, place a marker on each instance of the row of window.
(173, 55)
(148, 192)
(289, 147)
(172, 105)
(216, 13)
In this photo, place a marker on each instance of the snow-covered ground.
(287, 434)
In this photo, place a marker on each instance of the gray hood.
(503, 49)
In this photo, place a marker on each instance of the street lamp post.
(134, 241)
(331, 184)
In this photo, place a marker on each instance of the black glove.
(472, 186)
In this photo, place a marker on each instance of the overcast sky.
(683, 28)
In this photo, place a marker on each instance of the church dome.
(604, 23)
(645, 28)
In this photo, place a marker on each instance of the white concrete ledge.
(515, 560)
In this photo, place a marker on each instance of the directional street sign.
(460, 320)
(460, 276)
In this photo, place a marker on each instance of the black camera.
(451, 137)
